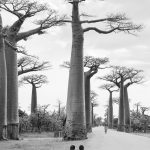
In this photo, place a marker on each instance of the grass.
(37, 135)
(142, 134)
(37, 141)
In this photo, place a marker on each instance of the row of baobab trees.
(10, 36)
(120, 79)
(130, 76)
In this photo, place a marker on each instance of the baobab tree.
(75, 127)
(27, 64)
(106, 114)
(123, 77)
(3, 86)
(59, 107)
(144, 118)
(144, 109)
(22, 10)
(93, 64)
(137, 105)
(110, 88)
(94, 103)
(135, 77)
(118, 77)
(36, 81)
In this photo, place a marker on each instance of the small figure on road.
(72, 147)
(81, 147)
(105, 128)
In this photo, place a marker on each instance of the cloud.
(141, 46)
(55, 31)
(121, 50)
(97, 52)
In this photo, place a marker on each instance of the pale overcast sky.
(121, 49)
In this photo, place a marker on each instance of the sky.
(121, 49)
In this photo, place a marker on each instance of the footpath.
(113, 140)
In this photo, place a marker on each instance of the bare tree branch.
(90, 62)
(94, 21)
(49, 21)
(109, 87)
(24, 9)
(111, 78)
(20, 8)
(115, 23)
(66, 64)
(111, 18)
(36, 80)
(27, 64)
(99, 31)
(129, 76)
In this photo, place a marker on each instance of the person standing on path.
(105, 128)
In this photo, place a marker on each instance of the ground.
(97, 140)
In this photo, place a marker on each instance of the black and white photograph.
(74, 75)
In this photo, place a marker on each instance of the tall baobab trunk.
(110, 112)
(59, 109)
(75, 127)
(33, 99)
(3, 87)
(88, 103)
(12, 91)
(92, 113)
(12, 81)
(121, 108)
(127, 109)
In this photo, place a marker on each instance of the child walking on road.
(105, 129)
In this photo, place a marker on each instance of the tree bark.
(33, 99)
(12, 81)
(121, 108)
(12, 91)
(3, 87)
(127, 110)
(92, 115)
(88, 106)
(75, 127)
(110, 112)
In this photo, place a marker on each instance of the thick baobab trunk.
(75, 127)
(33, 99)
(126, 110)
(88, 104)
(12, 92)
(110, 112)
(121, 109)
(3, 87)
(12, 80)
